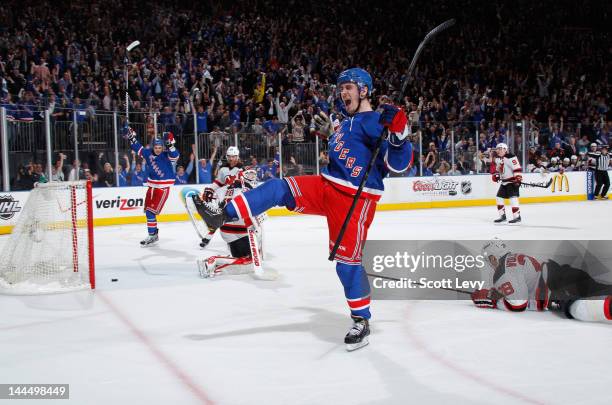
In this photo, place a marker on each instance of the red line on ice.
(464, 372)
(165, 360)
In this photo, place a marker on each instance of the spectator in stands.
(57, 170)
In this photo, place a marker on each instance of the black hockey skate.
(357, 336)
(500, 219)
(204, 242)
(150, 240)
(516, 220)
(211, 212)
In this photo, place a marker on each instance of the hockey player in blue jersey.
(350, 148)
(161, 176)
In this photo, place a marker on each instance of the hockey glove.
(208, 194)
(393, 118)
(169, 138)
(483, 299)
(495, 177)
(323, 124)
(128, 133)
(518, 179)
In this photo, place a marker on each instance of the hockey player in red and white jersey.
(231, 181)
(506, 168)
(235, 233)
(521, 282)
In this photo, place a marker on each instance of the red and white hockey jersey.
(521, 281)
(507, 167)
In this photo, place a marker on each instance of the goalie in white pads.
(520, 282)
(229, 183)
(506, 168)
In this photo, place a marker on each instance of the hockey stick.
(126, 61)
(383, 137)
(421, 284)
(538, 185)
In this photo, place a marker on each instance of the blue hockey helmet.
(158, 142)
(358, 76)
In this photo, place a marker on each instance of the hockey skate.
(211, 212)
(204, 242)
(206, 269)
(149, 240)
(357, 336)
(500, 219)
(516, 220)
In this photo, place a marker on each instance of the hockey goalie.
(235, 234)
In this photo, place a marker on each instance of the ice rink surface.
(162, 335)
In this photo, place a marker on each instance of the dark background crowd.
(256, 69)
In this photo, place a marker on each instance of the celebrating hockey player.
(331, 193)
(161, 177)
(520, 282)
(506, 168)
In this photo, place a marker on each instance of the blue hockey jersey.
(351, 148)
(159, 167)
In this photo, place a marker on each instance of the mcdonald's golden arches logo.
(558, 181)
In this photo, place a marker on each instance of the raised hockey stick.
(416, 282)
(384, 135)
(126, 61)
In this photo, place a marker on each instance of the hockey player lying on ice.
(521, 283)
(331, 193)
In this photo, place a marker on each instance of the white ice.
(162, 335)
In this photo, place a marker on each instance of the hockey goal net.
(51, 247)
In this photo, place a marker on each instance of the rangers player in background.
(331, 194)
(520, 282)
(506, 168)
(160, 166)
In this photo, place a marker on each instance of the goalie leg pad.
(222, 265)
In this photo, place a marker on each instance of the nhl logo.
(8, 207)
(466, 187)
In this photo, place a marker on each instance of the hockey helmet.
(554, 160)
(157, 142)
(574, 158)
(566, 161)
(502, 145)
(232, 151)
(358, 76)
(496, 248)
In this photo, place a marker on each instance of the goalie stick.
(384, 135)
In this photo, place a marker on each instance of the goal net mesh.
(50, 249)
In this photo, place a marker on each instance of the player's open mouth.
(347, 102)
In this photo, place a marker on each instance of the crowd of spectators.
(266, 67)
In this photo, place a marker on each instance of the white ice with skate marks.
(161, 334)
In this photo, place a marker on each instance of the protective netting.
(49, 248)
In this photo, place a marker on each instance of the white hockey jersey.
(226, 175)
(507, 167)
(521, 282)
